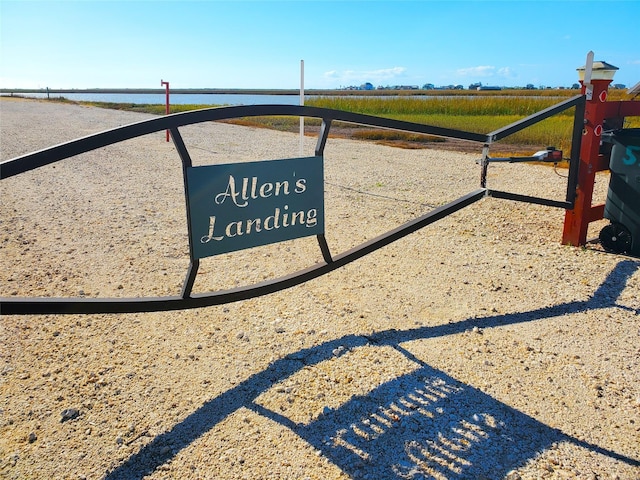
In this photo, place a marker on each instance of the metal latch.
(551, 154)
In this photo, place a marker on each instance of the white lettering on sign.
(280, 218)
(240, 193)
(250, 189)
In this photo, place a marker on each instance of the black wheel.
(615, 238)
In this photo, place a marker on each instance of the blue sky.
(259, 44)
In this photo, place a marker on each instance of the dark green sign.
(243, 205)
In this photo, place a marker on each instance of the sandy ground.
(476, 348)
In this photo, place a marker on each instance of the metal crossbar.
(53, 154)
(187, 300)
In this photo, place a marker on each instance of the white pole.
(301, 104)
(588, 68)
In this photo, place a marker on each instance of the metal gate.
(332, 261)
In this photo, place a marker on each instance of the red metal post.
(576, 221)
(166, 88)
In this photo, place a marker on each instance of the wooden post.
(576, 221)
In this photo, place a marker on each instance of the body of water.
(176, 99)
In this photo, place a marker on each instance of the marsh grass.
(467, 106)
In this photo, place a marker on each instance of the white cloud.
(505, 72)
(357, 77)
(479, 71)
(485, 71)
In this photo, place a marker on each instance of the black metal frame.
(579, 101)
(187, 300)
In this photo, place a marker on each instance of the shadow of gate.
(426, 423)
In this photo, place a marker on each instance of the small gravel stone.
(69, 414)
(338, 351)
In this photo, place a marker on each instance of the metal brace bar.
(531, 119)
(194, 263)
(324, 135)
(528, 199)
(28, 306)
(324, 248)
(15, 166)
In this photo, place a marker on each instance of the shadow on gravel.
(428, 424)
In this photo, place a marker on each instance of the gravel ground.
(476, 348)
